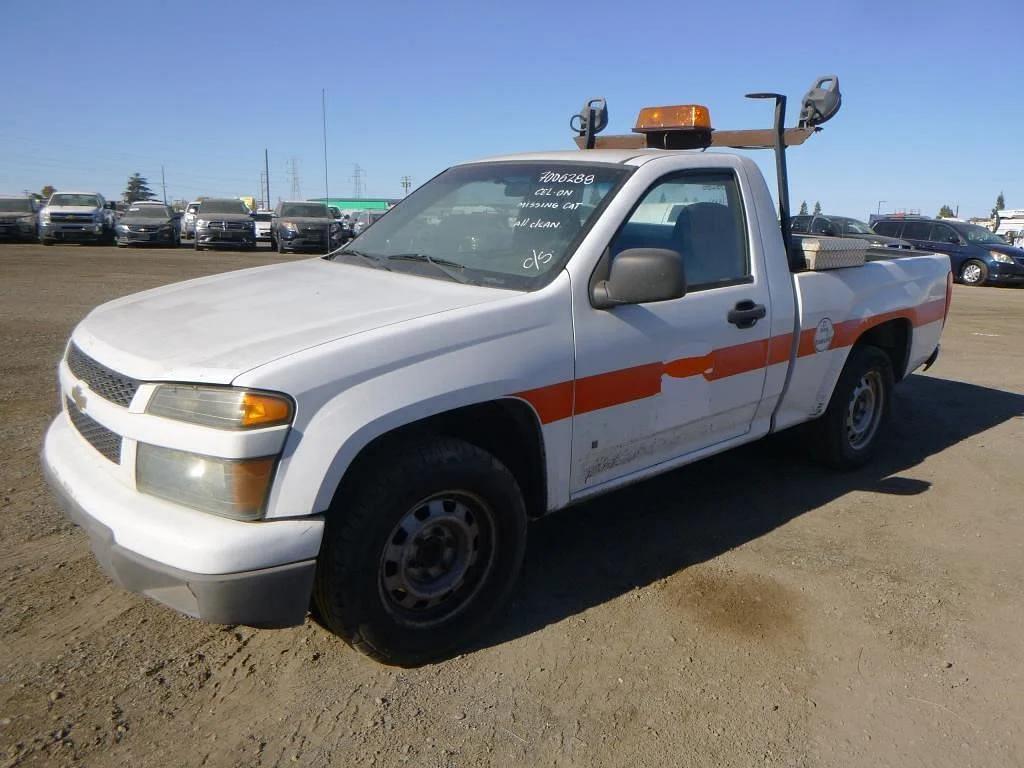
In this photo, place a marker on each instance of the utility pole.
(163, 184)
(357, 181)
(323, 111)
(406, 183)
(879, 211)
(266, 173)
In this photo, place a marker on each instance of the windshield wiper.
(377, 261)
(444, 265)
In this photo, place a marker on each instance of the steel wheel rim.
(864, 411)
(972, 273)
(437, 557)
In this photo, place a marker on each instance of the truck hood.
(71, 209)
(224, 216)
(215, 328)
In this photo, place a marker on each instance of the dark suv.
(843, 226)
(976, 255)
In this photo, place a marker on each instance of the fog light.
(235, 488)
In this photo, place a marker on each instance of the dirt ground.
(750, 610)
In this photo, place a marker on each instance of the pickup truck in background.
(371, 431)
(78, 217)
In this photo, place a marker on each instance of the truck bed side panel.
(837, 306)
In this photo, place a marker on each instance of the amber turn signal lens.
(680, 117)
(263, 410)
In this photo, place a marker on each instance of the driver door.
(658, 381)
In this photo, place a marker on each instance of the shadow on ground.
(596, 551)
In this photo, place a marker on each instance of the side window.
(944, 234)
(917, 230)
(887, 228)
(799, 224)
(700, 215)
(821, 226)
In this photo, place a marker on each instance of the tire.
(445, 501)
(196, 246)
(847, 435)
(46, 241)
(280, 246)
(973, 272)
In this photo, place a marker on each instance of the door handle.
(746, 314)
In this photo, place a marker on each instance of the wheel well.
(892, 337)
(507, 429)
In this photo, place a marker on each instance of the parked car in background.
(976, 255)
(79, 217)
(148, 223)
(19, 218)
(224, 223)
(843, 226)
(304, 226)
(188, 220)
(262, 219)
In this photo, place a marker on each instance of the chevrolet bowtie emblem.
(78, 396)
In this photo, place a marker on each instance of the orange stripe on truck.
(626, 385)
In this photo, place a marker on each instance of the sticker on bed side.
(823, 335)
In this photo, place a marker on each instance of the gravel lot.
(751, 610)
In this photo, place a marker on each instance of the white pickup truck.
(369, 432)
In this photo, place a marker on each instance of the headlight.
(1001, 257)
(122, 227)
(229, 487)
(45, 217)
(290, 226)
(221, 407)
(29, 220)
(201, 223)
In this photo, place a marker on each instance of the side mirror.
(640, 276)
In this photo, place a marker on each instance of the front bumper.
(1000, 273)
(145, 238)
(306, 241)
(12, 230)
(72, 232)
(226, 238)
(181, 548)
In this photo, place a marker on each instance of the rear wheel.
(46, 241)
(847, 435)
(422, 550)
(974, 272)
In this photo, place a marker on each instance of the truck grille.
(99, 437)
(225, 225)
(78, 218)
(106, 383)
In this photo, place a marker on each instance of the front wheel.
(974, 272)
(421, 550)
(847, 435)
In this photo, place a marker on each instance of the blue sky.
(932, 109)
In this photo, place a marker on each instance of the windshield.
(976, 234)
(147, 212)
(263, 217)
(308, 210)
(90, 201)
(223, 206)
(508, 225)
(16, 205)
(854, 227)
